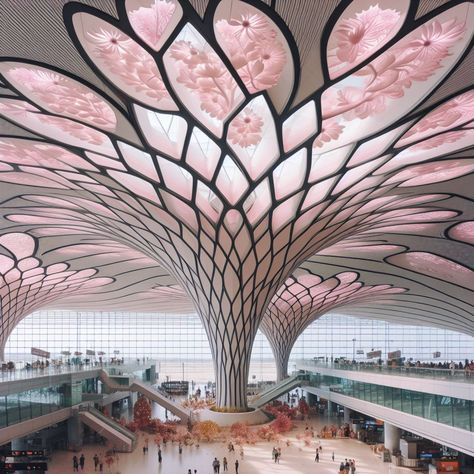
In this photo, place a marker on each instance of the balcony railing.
(457, 375)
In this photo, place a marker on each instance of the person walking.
(96, 461)
(236, 466)
(224, 464)
(332, 456)
(317, 456)
(101, 465)
(160, 458)
(82, 461)
(215, 463)
(75, 464)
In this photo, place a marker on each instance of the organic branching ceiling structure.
(231, 142)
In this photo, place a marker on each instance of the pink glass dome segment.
(201, 79)
(385, 89)
(153, 20)
(60, 94)
(362, 29)
(435, 266)
(256, 48)
(452, 113)
(123, 61)
(464, 232)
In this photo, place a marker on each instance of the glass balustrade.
(442, 409)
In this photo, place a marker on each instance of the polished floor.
(296, 458)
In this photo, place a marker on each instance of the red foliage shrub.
(282, 424)
(278, 408)
(303, 407)
(142, 412)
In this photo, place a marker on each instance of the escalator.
(149, 392)
(121, 438)
(276, 391)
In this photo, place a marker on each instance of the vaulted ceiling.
(154, 151)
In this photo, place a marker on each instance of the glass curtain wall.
(179, 343)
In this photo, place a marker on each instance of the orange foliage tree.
(206, 430)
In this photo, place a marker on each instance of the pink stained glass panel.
(361, 30)
(60, 94)
(123, 61)
(463, 232)
(435, 266)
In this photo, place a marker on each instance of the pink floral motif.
(150, 23)
(254, 50)
(129, 61)
(435, 40)
(246, 129)
(205, 74)
(438, 140)
(330, 130)
(458, 110)
(63, 96)
(22, 109)
(75, 129)
(361, 36)
(32, 153)
(387, 77)
(17, 108)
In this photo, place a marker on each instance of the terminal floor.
(295, 459)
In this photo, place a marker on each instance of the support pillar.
(391, 437)
(347, 415)
(311, 398)
(75, 432)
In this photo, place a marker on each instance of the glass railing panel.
(445, 409)
(397, 399)
(416, 403)
(3, 411)
(388, 401)
(406, 402)
(461, 414)
(429, 407)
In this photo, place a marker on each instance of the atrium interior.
(237, 235)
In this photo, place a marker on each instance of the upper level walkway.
(450, 383)
(454, 375)
(22, 374)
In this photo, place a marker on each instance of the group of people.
(333, 431)
(276, 454)
(216, 465)
(79, 463)
(347, 467)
